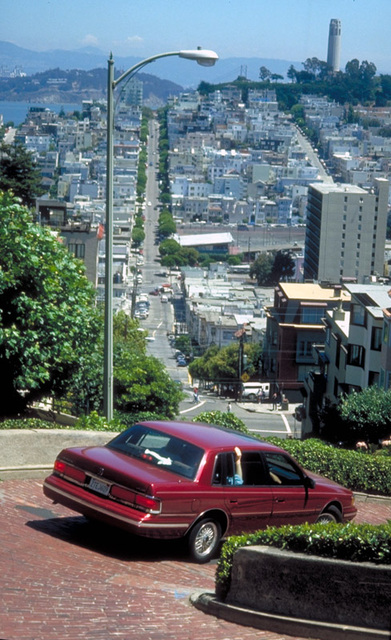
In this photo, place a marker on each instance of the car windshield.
(159, 449)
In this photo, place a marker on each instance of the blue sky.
(284, 29)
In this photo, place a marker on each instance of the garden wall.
(296, 585)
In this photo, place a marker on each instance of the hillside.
(58, 86)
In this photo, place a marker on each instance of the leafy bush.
(96, 422)
(26, 423)
(222, 419)
(352, 542)
(353, 469)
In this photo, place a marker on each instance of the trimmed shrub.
(352, 542)
(222, 419)
(353, 469)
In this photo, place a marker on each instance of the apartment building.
(346, 231)
(293, 325)
(355, 353)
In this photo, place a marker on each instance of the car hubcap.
(205, 539)
(326, 518)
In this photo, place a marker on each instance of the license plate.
(99, 487)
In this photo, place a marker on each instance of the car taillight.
(123, 494)
(59, 466)
(70, 472)
(152, 505)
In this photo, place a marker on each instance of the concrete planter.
(340, 593)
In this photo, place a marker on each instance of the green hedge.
(356, 470)
(352, 542)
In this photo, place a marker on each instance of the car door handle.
(279, 499)
(233, 502)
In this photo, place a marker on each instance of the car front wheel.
(204, 539)
(332, 514)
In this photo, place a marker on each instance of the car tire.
(331, 514)
(204, 539)
(252, 397)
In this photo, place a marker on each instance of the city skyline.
(251, 28)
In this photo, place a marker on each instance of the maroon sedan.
(202, 482)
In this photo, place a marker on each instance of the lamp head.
(204, 57)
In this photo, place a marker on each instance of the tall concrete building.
(334, 47)
(346, 231)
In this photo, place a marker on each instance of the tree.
(166, 224)
(291, 73)
(283, 267)
(19, 174)
(48, 319)
(367, 414)
(359, 416)
(138, 236)
(222, 365)
(261, 268)
(264, 74)
(143, 386)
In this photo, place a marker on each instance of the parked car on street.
(183, 480)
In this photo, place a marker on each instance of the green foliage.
(26, 423)
(283, 267)
(166, 224)
(364, 415)
(261, 268)
(138, 235)
(96, 422)
(353, 469)
(222, 419)
(19, 174)
(48, 318)
(142, 384)
(367, 414)
(183, 343)
(351, 542)
(222, 365)
(271, 268)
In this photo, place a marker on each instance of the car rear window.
(159, 449)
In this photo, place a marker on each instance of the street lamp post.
(203, 57)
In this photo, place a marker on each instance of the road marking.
(287, 425)
(195, 406)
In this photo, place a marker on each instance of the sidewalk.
(35, 450)
(267, 407)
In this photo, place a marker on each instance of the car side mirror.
(309, 483)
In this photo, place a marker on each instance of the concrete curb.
(208, 603)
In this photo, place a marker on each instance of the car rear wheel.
(204, 539)
(252, 397)
(332, 514)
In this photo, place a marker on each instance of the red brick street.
(64, 578)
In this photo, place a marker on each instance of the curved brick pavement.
(64, 578)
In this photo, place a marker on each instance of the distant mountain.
(73, 86)
(182, 72)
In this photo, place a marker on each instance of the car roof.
(209, 436)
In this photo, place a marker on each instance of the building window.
(376, 338)
(356, 355)
(358, 315)
(337, 351)
(304, 348)
(312, 315)
(77, 250)
(373, 378)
